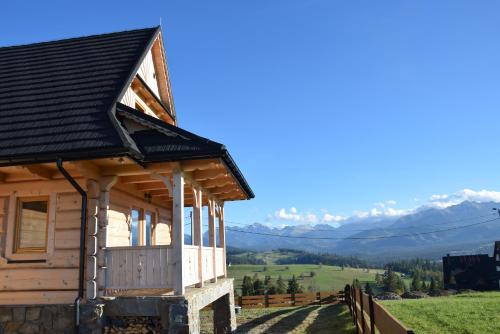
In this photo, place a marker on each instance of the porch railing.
(137, 267)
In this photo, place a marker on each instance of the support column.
(222, 236)
(224, 317)
(105, 185)
(178, 233)
(211, 236)
(92, 232)
(198, 232)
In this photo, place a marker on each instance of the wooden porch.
(149, 270)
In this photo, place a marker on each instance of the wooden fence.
(298, 299)
(371, 317)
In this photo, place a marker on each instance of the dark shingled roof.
(159, 141)
(56, 97)
(60, 100)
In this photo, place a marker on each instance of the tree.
(258, 286)
(368, 289)
(391, 281)
(433, 287)
(247, 286)
(313, 273)
(293, 286)
(416, 282)
(379, 280)
(280, 286)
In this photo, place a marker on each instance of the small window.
(135, 227)
(31, 225)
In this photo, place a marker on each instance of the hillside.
(325, 277)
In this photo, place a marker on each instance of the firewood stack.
(133, 325)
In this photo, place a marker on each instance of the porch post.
(178, 233)
(105, 185)
(222, 237)
(211, 237)
(198, 232)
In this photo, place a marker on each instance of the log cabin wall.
(52, 277)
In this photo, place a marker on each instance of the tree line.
(254, 286)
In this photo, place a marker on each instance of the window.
(142, 226)
(149, 228)
(135, 227)
(31, 225)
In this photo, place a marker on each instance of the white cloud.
(385, 208)
(446, 200)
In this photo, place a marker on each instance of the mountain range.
(468, 227)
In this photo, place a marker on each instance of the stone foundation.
(53, 319)
(140, 315)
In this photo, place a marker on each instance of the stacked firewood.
(133, 325)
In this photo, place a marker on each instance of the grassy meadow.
(466, 313)
(325, 278)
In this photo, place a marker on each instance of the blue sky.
(327, 106)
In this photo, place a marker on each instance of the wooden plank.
(385, 322)
(38, 279)
(38, 297)
(67, 239)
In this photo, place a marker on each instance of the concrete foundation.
(54, 319)
(179, 314)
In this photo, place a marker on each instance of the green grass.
(331, 319)
(459, 314)
(326, 278)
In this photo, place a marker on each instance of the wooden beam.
(151, 186)
(219, 182)
(124, 170)
(136, 179)
(2, 177)
(38, 171)
(190, 166)
(224, 189)
(209, 174)
(198, 232)
(86, 168)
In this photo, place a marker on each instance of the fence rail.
(285, 300)
(371, 317)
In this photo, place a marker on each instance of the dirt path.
(294, 320)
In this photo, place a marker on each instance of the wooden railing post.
(372, 315)
(363, 323)
(354, 303)
(211, 236)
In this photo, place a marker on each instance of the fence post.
(363, 324)
(292, 297)
(372, 315)
(266, 300)
(354, 303)
(318, 297)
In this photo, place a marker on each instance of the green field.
(459, 314)
(326, 278)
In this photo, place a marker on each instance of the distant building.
(477, 272)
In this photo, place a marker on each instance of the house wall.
(52, 278)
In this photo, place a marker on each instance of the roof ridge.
(115, 33)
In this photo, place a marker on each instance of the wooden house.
(95, 176)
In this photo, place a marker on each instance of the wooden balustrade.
(138, 267)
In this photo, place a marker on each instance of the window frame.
(17, 226)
